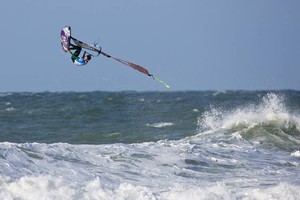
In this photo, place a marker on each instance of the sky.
(191, 45)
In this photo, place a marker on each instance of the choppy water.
(150, 145)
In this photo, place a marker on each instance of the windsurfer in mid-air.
(79, 61)
(65, 40)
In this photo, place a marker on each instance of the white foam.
(5, 94)
(95, 190)
(196, 110)
(281, 191)
(41, 187)
(161, 124)
(10, 109)
(296, 154)
(217, 191)
(270, 111)
(163, 170)
(49, 187)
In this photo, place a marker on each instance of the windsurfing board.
(65, 36)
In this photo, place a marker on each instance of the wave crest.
(269, 122)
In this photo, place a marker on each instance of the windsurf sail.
(65, 36)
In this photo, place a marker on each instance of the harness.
(80, 62)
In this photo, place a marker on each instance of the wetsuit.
(75, 56)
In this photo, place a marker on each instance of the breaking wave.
(268, 124)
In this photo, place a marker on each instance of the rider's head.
(87, 57)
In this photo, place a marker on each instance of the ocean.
(150, 145)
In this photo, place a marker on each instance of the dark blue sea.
(150, 145)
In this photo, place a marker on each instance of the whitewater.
(150, 145)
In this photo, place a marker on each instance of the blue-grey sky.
(191, 45)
